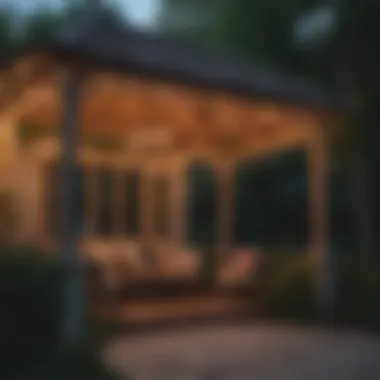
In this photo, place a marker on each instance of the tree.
(38, 28)
(341, 51)
(9, 44)
(358, 56)
(257, 29)
(345, 57)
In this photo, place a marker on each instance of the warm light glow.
(22, 70)
(150, 139)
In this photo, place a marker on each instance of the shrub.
(29, 308)
(287, 286)
(359, 290)
(288, 283)
(82, 363)
(30, 314)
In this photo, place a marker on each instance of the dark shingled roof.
(150, 54)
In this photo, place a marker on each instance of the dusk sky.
(141, 12)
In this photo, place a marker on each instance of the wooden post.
(73, 312)
(319, 221)
(225, 210)
(91, 201)
(118, 203)
(145, 207)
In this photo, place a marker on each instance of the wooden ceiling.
(120, 106)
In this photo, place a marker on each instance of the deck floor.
(246, 352)
(157, 310)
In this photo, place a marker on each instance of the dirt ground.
(246, 352)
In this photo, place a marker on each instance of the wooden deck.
(170, 310)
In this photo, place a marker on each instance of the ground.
(246, 353)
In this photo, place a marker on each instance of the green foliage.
(30, 315)
(359, 291)
(19, 32)
(8, 44)
(287, 286)
(257, 29)
(82, 363)
(29, 309)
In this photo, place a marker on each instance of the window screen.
(161, 207)
(104, 218)
(132, 185)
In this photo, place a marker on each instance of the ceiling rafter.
(120, 106)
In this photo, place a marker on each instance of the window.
(104, 217)
(202, 206)
(53, 199)
(161, 207)
(131, 186)
(271, 200)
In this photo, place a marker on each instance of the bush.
(287, 287)
(359, 291)
(30, 314)
(29, 309)
(82, 363)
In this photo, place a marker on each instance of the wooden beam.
(230, 126)
(319, 220)
(119, 202)
(91, 200)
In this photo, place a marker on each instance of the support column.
(16, 179)
(91, 201)
(319, 221)
(118, 203)
(225, 211)
(73, 313)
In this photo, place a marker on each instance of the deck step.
(166, 310)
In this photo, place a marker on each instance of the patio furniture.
(176, 262)
(240, 268)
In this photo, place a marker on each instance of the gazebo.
(140, 104)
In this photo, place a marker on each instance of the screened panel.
(131, 186)
(161, 188)
(105, 212)
(202, 203)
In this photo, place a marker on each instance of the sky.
(141, 12)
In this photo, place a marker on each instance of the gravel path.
(246, 353)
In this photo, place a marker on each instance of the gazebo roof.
(110, 44)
